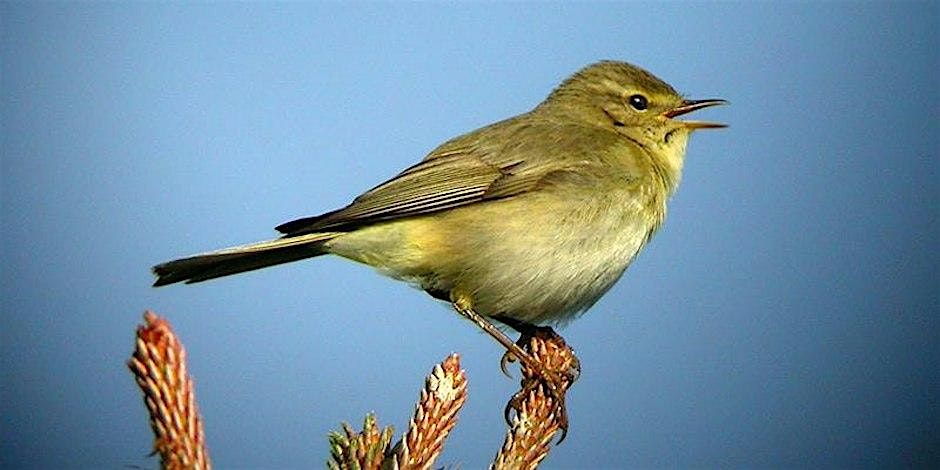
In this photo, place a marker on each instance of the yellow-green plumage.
(531, 219)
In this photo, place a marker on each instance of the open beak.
(688, 106)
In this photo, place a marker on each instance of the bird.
(526, 222)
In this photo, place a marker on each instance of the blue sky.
(784, 316)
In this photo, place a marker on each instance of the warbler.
(528, 221)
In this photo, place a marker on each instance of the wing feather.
(460, 172)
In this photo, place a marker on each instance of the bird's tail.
(243, 258)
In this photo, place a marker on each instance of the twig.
(364, 450)
(537, 414)
(444, 393)
(159, 367)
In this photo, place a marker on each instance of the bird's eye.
(638, 102)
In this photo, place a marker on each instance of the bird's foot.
(549, 368)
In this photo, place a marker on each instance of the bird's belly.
(514, 260)
(532, 259)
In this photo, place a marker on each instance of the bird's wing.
(460, 172)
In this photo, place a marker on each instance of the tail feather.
(240, 259)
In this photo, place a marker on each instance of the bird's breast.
(541, 258)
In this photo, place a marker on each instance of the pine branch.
(366, 450)
(444, 393)
(159, 367)
(538, 413)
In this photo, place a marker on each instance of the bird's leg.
(552, 353)
(555, 382)
(546, 394)
(463, 307)
(526, 332)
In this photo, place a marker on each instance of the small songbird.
(528, 221)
